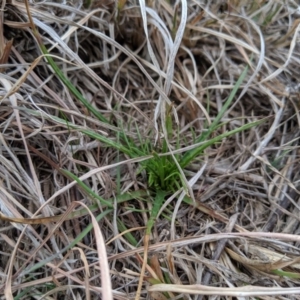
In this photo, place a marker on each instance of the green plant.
(164, 170)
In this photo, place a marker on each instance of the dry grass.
(236, 237)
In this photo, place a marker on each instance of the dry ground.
(229, 228)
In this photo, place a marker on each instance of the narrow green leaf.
(159, 199)
(87, 190)
(190, 155)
